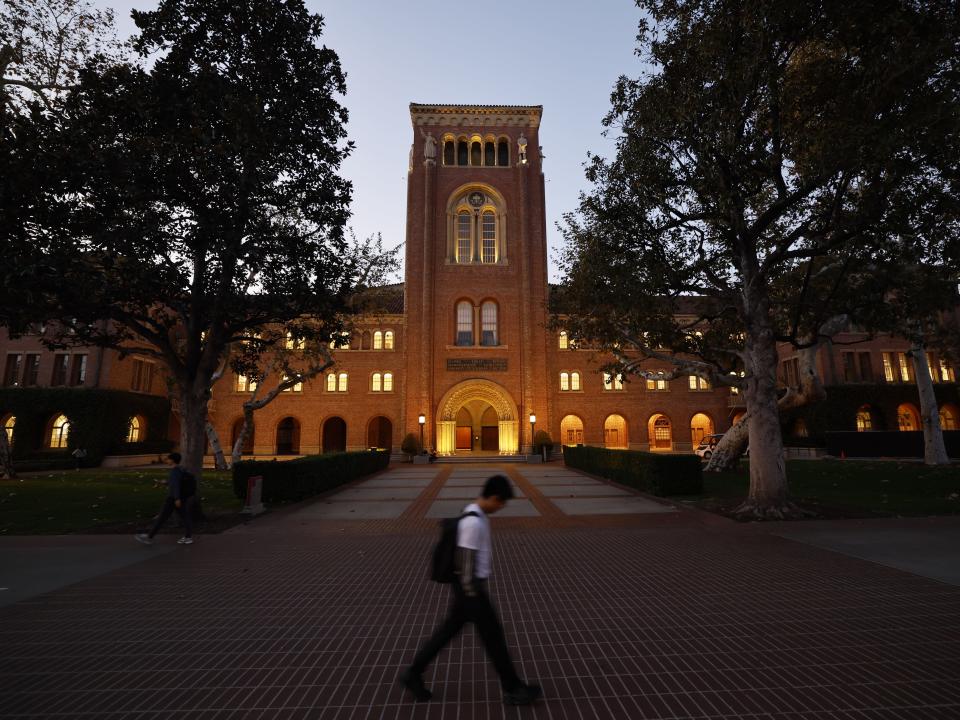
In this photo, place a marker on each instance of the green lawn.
(103, 500)
(848, 488)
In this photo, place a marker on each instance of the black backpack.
(188, 485)
(442, 569)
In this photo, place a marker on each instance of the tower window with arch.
(475, 228)
(464, 323)
(476, 151)
(59, 433)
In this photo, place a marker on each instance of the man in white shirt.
(471, 603)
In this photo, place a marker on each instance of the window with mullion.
(489, 238)
(488, 324)
(464, 323)
(464, 246)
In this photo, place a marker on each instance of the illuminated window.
(699, 383)
(488, 324)
(946, 372)
(60, 433)
(660, 432)
(464, 244)
(134, 430)
(464, 323)
(864, 419)
(564, 381)
(245, 384)
(8, 426)
(332, 382)
(342, 382)
(342, 341)
(489, 238)
(294, 343)
(297, 387)
(612, 382)
(388, 382)
(657, 384)
(905, 375)
(930, 366)
(888, 368)
(574, 381)
(388, 340)
(563, 340)
(378, 340)
(948, 418)
(376, 382)
(908, 419)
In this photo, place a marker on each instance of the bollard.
(254, 492)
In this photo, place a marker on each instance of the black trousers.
(185, 511)
(479, 611)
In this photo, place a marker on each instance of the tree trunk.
(768, 497)
(934, 449)
(245, 431)
(193, 435)
(7, 471)
(219, 461)
(726, 455)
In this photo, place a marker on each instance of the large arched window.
(8, 424)
(864, 419)
(488, 324)
(489, 153)
(136, 429)
(564, 344)
(462, 152)
(489, 230)
(476, 153)
(59, 432)
(449, 152)
(503, 153)
(908, 418)
(388, 340)
(464, 323)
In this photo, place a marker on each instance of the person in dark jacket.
(471, 603)
(181, 494)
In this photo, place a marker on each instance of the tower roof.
(476, 115)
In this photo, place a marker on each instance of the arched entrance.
(380, 433)
(615, 432)
(700, 425)
(288, 437)
(334, 437)
(908, 418)
(571, 430)
(477, 415)
(660, 432)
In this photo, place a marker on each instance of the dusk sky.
(561, 54)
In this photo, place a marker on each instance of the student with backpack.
(462, 558)
(181, 495)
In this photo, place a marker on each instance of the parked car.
(706, 446)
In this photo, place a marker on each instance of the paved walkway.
(621, 607)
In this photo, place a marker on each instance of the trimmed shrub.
(290, 480)
(410, 445)
(542, 440)
(657, 474)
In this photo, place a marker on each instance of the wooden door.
(464, 438)
(490, 438)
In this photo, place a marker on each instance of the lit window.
(907, 418)
(60, 433)
(134, 430)
(489, 238)
(245, 384)
(864, 419)
(378, 340)
(342, 382)
(294, 343)
(332, 382)
(905, 375)
(563, 340)
(948, 418)
(699, 383)
(376, 383)
(297, 387)
(342, 341)
(946, 371)
(464, 323)
(488, 324)
(574, 381)
(463, 238)
(8, 426)
(564, 381)
(930, 366)
(388, 382)
(612, 382)
(388, 340)
(888, 368)
(656, 384)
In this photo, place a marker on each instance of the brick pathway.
(639, 612)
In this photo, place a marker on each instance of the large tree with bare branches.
(757, 157)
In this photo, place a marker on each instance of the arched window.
(462, 152)
(135, 430)
(388, 382)
(564, 344)
(448, 152)
(342, 382)
(376, 382)
(388, 340)
(476, 153)
(571, 430)
(864, 419)
(488, 324)
(612, 382)
(503, 153)
(660, 432)
(574, 381)
(700, 425)
(8, 424)
(564, 381)
(948, 417)
(378, 340)
(615, 432)
(489, 153)
(59, 432)
(464, 244)
(332, 382)
(489, 229)
(908, 418)
(464, 323)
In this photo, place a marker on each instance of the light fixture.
(422, 420)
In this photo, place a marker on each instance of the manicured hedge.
(285, 480)
(653, 473)
(98, 422)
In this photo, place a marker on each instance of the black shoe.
(414, 683)
(523, 695)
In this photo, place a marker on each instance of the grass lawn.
(66, 501)
(847, 488)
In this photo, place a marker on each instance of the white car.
(706, 446)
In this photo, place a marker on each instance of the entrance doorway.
(490, 438)
(464, 437)
(380, 433)
(334, 435)
(477, 416)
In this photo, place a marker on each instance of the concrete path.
(620, 606)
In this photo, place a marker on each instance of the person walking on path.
(181, 494)
(471, 601)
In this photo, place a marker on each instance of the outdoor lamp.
(422, 420)
(533, 419)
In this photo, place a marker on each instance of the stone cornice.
(476, 116)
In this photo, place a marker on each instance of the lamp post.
(533, 420)
(422, 420)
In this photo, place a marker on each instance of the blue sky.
(561, 54)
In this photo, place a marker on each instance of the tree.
(199, 198)
(755, 161)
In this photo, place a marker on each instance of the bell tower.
(476, 278)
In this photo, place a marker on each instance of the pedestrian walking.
(181, 496)
(471, 601)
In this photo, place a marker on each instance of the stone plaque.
(477, 364)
